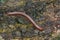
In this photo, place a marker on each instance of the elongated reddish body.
(25, 15)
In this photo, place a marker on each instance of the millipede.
(27, 16)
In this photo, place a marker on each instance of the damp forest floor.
(46, 13)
